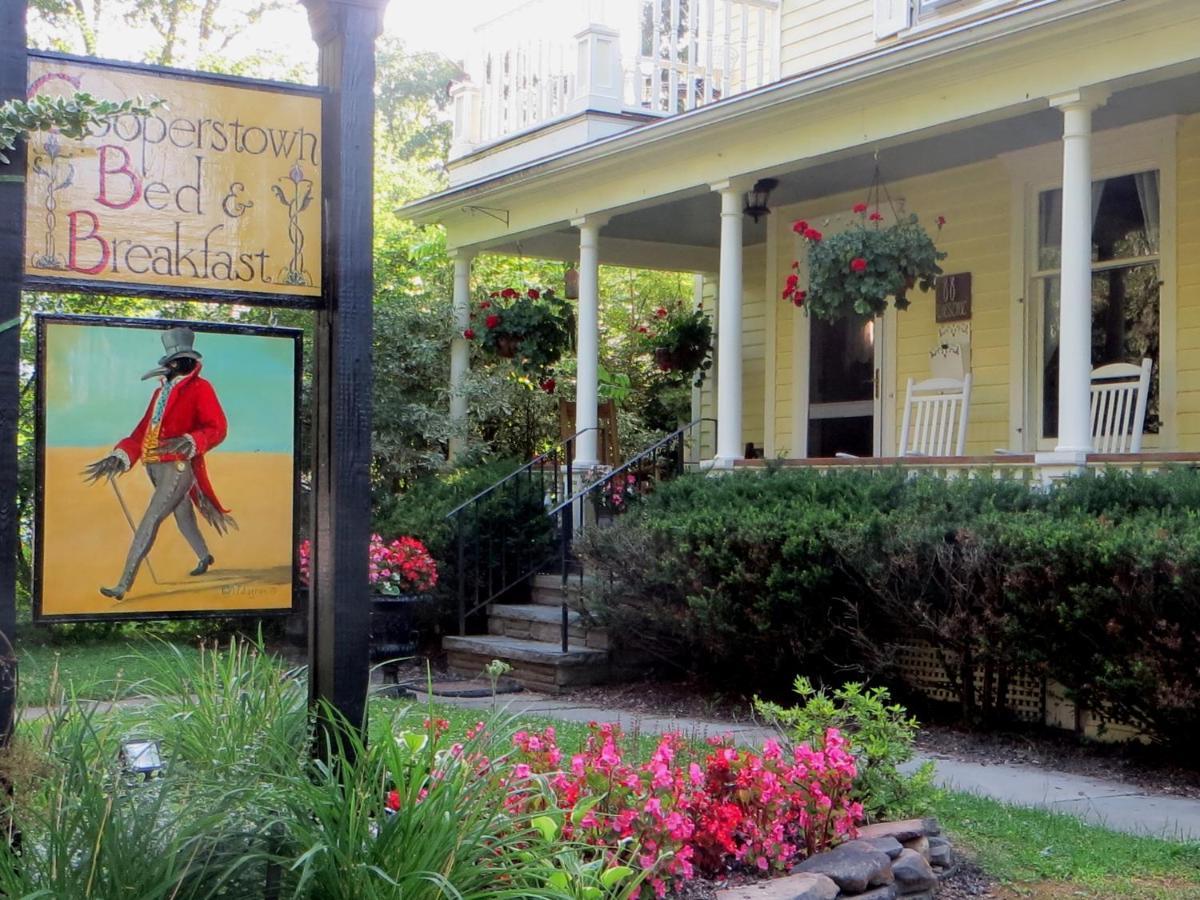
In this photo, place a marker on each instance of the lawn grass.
(1046, 854)
(102, 670)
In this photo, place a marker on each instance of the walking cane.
(132, 527)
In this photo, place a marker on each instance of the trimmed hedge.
(749, 578)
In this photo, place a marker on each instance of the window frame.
(1116, 152)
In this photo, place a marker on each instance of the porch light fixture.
(757, 197)
(141, 756)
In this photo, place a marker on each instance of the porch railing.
(675, 55)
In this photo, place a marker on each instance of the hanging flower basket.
(855, 271)
(532, 327)
(681, 342)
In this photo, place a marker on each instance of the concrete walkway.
(1113, 804)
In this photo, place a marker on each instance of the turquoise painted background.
(94, 395)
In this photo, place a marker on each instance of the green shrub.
(881, 736)
(747, 578)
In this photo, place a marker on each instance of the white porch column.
(729, 326)
(1075, 304)
(460, 350)
(587, 342)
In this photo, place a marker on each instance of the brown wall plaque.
(953, 297)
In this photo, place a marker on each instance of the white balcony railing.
(545, 58)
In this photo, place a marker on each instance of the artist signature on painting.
(245, 591)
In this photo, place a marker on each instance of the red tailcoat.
(192, 409)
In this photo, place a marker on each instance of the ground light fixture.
(141, 756)
(758, 196)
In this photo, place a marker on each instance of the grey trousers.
(171, 486)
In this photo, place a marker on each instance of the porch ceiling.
(683, 231)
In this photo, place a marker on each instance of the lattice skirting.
(921, 669)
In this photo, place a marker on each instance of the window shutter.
(891, 17)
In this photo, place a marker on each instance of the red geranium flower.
(800, 227)
(812, 234)
(642, 329)
(508, 294)
(792, 281)
(485, 305)
(548, 385)
(393, 801)
(798, 297)
(492, 321)
(941, 220)
(795, 264)
(858, 264)
(661, 312)
(534, 293)
(860, 207)
(469, 334)
(876, 216)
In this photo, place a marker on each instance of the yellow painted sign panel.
(218, 191)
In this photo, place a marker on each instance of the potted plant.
(533, 327)
(857, 270)
(681, 341)
(401, 573)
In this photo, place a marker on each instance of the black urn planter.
(394, 632)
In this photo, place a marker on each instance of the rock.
(940, 852)
(888, 845)
(932, 827)
(913, 874)
(907, 830)
(793, 887)
(854, 867)
(887, 892)
(920, 845)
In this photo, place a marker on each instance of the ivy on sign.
(953, 298)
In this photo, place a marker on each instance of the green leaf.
(610, 878)
(547, 827)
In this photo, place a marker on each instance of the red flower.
(534, 293)
(798, 298)
(548, 385)
(494, 294)
(795, 265)
(661, 312)
(812, 234)
(800, 227)
(876, 216)
(860, 207)
(792, 281)
(858, 264)
(393, 801)
(642, 329)
(508, 294)
(469, 334)
(485, 305)
(492, 321)
(941, 220)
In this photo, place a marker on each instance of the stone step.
(536, 665)
(543, 623)
(547, 590)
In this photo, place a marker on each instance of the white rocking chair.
(1120, 392)
(935, 417)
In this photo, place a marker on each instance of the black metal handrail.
(630, 474)
(503, 561)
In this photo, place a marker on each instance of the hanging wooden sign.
(215, 195)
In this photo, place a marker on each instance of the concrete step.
(544, 623)
(537, 665)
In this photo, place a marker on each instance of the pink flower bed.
(731, 810)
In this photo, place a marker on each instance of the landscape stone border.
(887, 861)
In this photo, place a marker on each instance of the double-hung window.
(1126, 277)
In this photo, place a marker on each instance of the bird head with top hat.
(179, 355)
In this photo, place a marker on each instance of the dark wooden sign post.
(345, 31)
